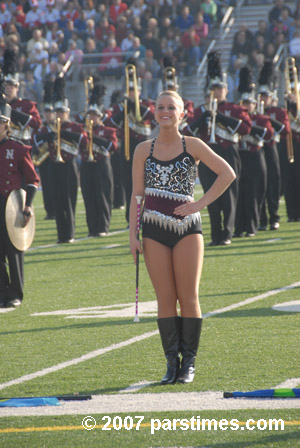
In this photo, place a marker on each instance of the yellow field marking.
(77, 427)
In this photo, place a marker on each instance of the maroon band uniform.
(15, 167)
(96, 178)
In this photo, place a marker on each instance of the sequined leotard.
(167, 185)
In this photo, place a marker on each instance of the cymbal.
(21, 236)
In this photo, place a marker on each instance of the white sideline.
(148, 402)
(104, 350)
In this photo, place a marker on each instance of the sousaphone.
(20, 235)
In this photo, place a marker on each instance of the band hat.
(250, 97)
(9, 67)
(62, 105)
(215, 78)
(246, 86)
(96, 98)
(265, 80)
(48, 107)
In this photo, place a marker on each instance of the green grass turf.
(251, 347)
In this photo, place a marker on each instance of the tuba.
(131, 83)
(291, 88)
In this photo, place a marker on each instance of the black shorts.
(167, 237)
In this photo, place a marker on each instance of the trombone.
(213, 106)
(90, 130)
(88, 86)
(131, 83)
(291, 87)
(58, 144)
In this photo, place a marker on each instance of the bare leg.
(187, 263)
(159, 262)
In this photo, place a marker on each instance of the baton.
(136, 317)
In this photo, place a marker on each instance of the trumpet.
(58, 143)
(90, 129)
(291, 88)
(131, 83)
(213, 106)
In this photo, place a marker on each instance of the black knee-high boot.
(189, 342)
(169, 333)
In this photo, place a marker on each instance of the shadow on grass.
(257, 312)
(265, 440)
(88, 325)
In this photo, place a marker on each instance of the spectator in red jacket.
(190, 41)
(111, 64)
(118, 7)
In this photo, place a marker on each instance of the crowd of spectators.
(255, 47)
(101, 35)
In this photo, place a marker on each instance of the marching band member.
(41, 158)
(253, 179)
(15, 167)
(292, 193)
(63, 147)
(220, 126)
(119, 192)
(96, 175)
(280, 122)
(25, 116)
(137, 122)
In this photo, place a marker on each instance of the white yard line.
(291, 383)
(252, 299)
(136, 387)
(47, 246)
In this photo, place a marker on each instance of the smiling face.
(169, 109)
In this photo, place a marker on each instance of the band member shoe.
(262, 227)
(13, 303)
(250, 235)
(213, 243)
(274, 226)
(225, 242)
(238, 235)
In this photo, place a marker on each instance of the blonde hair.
(174, 95)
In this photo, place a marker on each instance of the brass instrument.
(88, 86)
(131, 82)
(213, 106)
(43, 155)
(260, 107)
(90, 130)
(291, 87)
(58, 143)
(170, 78)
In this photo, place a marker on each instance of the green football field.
(74, 334)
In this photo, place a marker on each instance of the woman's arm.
(225, 176)
(139, 157)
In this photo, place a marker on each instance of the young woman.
(164, 173)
